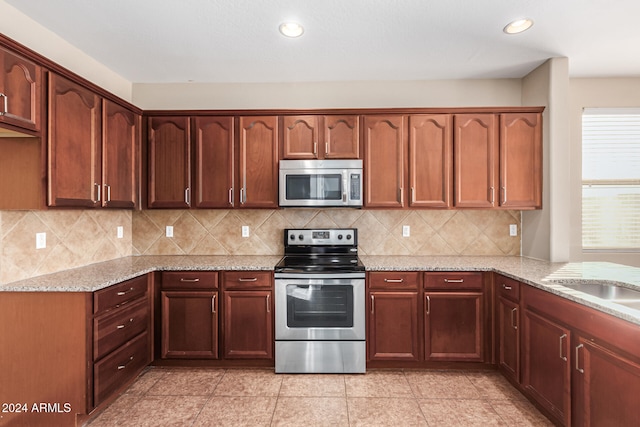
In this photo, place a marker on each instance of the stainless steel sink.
(612, 293)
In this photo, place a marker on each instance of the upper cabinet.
(320, 137)
(75, 153)
(169, 169)
(385, 148)
(20, 91)
(475, 160)
(214, 161)
(258, 162)
(521, 160)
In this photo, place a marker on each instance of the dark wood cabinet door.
(120, 156)
(385, 157)
(258, 162)
(214, 164)
(430, 160)
(248, 325)
(20, 91)
(189, 324)
(341, 137)
(75, 119)
(301, 137)
(606, 387)
(453, 328)
(169, 162)
(521, 160)
(476, 160)
(545, 369)
(509, 338)
(393, 326)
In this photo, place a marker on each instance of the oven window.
(314, 187)
(320, 306)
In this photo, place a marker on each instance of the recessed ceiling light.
(518, 26)
(291, 29)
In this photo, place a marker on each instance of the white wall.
(28, 32)
(593, 93)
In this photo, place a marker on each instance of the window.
(611, 180)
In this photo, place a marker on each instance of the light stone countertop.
(544, 275)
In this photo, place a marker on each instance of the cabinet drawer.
(116, 295)
(508, 288)
(182, 280)
(453, 280)
(120, 366)
(247, 279)
(394, 280)
(114, 329)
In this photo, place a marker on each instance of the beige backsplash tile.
(81, 237)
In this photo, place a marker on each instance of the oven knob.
(339, 236)
(301, 237)
(348, 236)
(292, 237)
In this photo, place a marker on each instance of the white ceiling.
(156, 41)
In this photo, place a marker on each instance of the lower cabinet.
(393, 326)
(248, 319)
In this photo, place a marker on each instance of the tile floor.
(259, 397)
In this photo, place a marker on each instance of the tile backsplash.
(81, 237)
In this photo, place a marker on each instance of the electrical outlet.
(169, 231)
(513, 230)
(406, 231)
(120, 232)
(245, 231)
(41, 240)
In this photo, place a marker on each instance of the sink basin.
(612, 293)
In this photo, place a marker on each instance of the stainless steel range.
(320, 303)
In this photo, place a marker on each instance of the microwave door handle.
(345, 182)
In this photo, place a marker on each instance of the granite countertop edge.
(540, 274)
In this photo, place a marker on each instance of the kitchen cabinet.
(521, 160)
(75, 150)
(385, 161)
(190, 315)
(320, 137)
(248, 320)
(475, 160)
(21, 82)
(453, 317)
(507, 293)
(258, 162)
(120, 156)
(169, 162)
(393, 323)
(430, 160)
(214, 161)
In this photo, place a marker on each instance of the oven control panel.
(318, 237)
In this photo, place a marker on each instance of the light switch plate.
(169, 231)
(119, 232)
(245, 231)
(406, 231)
(41, 240)
(513, 230)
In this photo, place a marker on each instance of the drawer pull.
(183, 280)
(121, 293)
(394, 280)
(248, 279)
(121, 367)
(124, 325)
(506, 288)
(454, 280)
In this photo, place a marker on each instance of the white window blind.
(611, 180)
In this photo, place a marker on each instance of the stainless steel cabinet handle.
(504, 195)
(182, 279)
(578, 358)
(231, 196)
(514, 325)
(6, 104)
(248, 279)
(508, 288)
(401, 195)
(120, 367)
(98, 187)
(213, 304)
(187, 196)
(394, 280)
(373, 299)
(315, 148)
(413, 195)
(493, 191)
(242, 196)
(454, 280)
(428, 301)
(121, 293)
(268, 303)
(562, 356)
(326, 147)
(124, 325)
(108, 187)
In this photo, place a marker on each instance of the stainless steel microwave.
(310, 183)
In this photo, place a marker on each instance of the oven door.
(320, 309)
